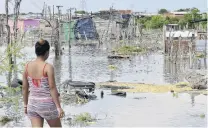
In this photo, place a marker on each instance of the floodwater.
(140, 110)
(88, 64)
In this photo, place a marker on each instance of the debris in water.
(102, 94)
(175, 95)
(144, 87)
(4, 120)
(83, 118)
(112, 67)
(118, 57)
(114, 87)
(202, 115)
(118, 93)
(182, 84)
(140, 98)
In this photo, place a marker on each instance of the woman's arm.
(52, 85)
(25, 87)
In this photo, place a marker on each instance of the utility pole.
(70, 64)
(49, 10)
(45, 10)
(59, 11)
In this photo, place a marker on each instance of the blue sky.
(96, 5)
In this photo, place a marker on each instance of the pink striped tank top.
(39, 88)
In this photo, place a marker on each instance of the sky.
(96, 5)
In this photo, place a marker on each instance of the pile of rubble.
(197, 79)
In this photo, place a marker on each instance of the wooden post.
(57, 40)
(49, 9)
(53, 13)
(205, 53)
(190, 50)
(164, 39)
(69, 18)
(70, 55)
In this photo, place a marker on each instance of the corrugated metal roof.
(181, 33)
(183, 13)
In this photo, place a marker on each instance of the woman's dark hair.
(41, 47)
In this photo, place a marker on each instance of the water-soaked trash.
(79, 85)
(197, 79)
(181, 85)
(199, 115)
(114, 87)
(84, 95)
(16, 83)
(140, 98)
(119, 93)
(101, 94)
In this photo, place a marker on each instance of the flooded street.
(160, 110)
(137, 109)
(141, 109)
(93, 65)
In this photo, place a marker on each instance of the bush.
(128, 50)
(83, 118)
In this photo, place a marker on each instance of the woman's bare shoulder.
(49, 66)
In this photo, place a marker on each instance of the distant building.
(24, 24)
(118, 11)
(125, 11)
(144, 14)
(175, 14)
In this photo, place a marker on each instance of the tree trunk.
(9, 54)
(16, 13)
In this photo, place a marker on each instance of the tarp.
(66, 30)
(30, 24)
(126, 16)
(85, 28)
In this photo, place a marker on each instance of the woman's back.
(38, 80)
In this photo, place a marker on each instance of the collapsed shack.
(85, 29)
(77, 92)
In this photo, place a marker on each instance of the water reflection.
(70, 64)
(173, 71)
(112, 68)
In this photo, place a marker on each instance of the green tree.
(182, 22)
(194, 14)
(171, 20)
(157, 22)
(183, 10)
(204, 23)
(162, 11)
(80, 12)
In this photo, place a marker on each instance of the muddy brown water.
(158, 110)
